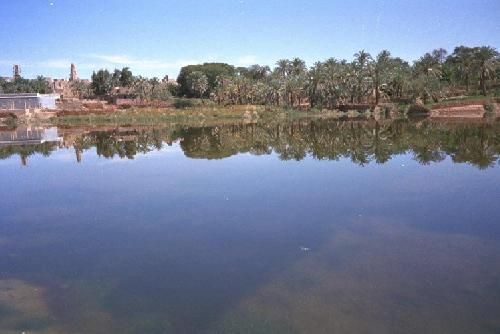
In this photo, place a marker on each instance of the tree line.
(103, 81)
(21, 85)
(366, 79)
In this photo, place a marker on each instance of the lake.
(292, 226)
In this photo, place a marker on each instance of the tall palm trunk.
(482, 82)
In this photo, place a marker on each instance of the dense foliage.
(101, 82)
(212, 71)
(364, 80)
(139, 87)
(19, 85)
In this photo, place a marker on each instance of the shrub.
(416, 109)
(183, 103)
(9, 120)
(489, 107)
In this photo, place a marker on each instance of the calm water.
(292, 227)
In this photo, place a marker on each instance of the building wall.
(47, 101)
(27, 101)
(19, 103)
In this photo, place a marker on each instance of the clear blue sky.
(157, 37)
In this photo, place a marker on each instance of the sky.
(157, 37)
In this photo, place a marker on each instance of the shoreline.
(466, 109)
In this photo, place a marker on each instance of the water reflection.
(25, 141)
(361, 141)
(288, 227)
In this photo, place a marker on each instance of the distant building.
(59, 85)
(16, 72)
(121, 91)
(169, 81)
(73, 76)
(64, 87)
(27, 101)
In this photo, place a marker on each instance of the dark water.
(285, 227)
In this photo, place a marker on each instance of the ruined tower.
(73, 76)
(16, 72)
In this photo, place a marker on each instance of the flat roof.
(19, 95)
(26, 95)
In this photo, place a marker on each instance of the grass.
(201, 114)
(149, 116)
(480, 99)
(206, 112)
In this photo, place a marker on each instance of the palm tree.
(336, 78)
(400, 78)
(362, 66)
(382, 66)
(154, 83)
(486, 59)
(440, 55)
(315, 84)
(283, 67)
(462, 61)
(428, 65)
(298, 80)
(298, 66)
(141, 88)
(198, 83)
(427, 76)
(257, 72)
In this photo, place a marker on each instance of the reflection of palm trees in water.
(361, 141)
(26, 151)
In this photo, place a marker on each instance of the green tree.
(198, 83)
(79, 88)
(211, 70)
(440, 55)
(462, 65)
(126, 77)
(426, 81)
(291, 81)
(400, 78)
(154, 83)
(258, 72)
(162, 92)
(141, 88)
(115, 78)
(101, 82)
(382, 71)
(21, 85)
(41, 85)
(486, 59)
(362, 70)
